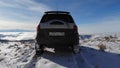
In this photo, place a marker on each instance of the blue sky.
(91, 16)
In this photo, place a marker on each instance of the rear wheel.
(39, 49)
(75, 49)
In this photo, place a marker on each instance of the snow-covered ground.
(97, 51)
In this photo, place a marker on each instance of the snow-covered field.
(96, 51)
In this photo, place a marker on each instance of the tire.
(39, 49)
(75, 49)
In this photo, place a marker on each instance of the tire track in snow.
(74, 60)
(60, 60)
(33, 62)
(57, 60)
(82, 61)
(53, 60)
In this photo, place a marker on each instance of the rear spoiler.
(57, 12)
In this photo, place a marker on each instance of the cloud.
(7, 4)
(102, 2)
(25, 4)
(16, 25)
(22, 10)
(108, 24)
(20, 14)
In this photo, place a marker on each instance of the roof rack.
(57, 12)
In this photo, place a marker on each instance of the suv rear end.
(57, 30)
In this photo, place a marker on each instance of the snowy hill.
(96, 51)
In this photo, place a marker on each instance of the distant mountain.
(16, 30)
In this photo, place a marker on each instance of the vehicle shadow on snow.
(87, 58)
(100, 59)
(61, 58)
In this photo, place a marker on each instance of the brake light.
(38, 28)
(75, 28)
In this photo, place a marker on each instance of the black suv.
(57, 30)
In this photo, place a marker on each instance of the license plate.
(56, 33)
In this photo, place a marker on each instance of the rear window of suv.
(63, 17)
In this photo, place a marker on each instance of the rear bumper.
(69, 39)
(58, 43)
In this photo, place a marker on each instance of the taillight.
(75, 28)
(38, 28)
